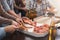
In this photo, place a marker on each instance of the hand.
(15, 23)
(27, 20)
(34, 23)
(22, 27)
(21, 24)
(10, 28)
(19, 20)
(25, 9)
(18, 26)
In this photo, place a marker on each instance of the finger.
(16, 27)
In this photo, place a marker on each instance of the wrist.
(9, 28)
(16, 19)
(9, 21)
(6, 29)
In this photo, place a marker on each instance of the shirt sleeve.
(2, 32)
(48, 4)
(27, 4)
(5, 5)
(4, 14)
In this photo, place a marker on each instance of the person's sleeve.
(5, 5)
(2, 32)
(27, 4)
(4, 14)
(48, 4)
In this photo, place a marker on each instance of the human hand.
(25, 9)
(19, 20)
(14, 23)
(10, 28)
(28, 21)
(21, 24)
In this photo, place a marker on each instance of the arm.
(5, 14)
(50, 7)
(7, 8)
(11, 12)
(2, 32)
(5, 20)
(19, 8)
(7, 29)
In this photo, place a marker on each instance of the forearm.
(6, 15)
(11, 12)
(7, 8)
(5, 20)
(20, 8)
